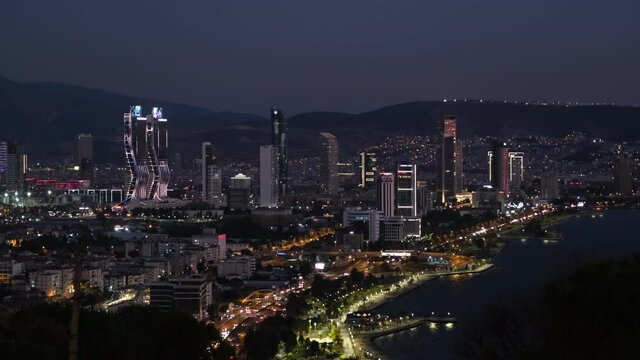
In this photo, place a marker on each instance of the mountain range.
(47, 117)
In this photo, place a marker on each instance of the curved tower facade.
(145, 147)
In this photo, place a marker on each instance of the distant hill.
(475, 118)
(46, 117)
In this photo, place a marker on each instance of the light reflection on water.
(522, 267)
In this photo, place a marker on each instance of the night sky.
(338, 55)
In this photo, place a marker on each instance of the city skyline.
(287, 180)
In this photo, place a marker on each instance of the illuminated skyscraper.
(406, 191)
(279, 140)
(459, 171)
(145, 146)
(239, 192)
(13, 166)
(269, 176)
(329, 163)
(448, 156)
(499, 174)
(211, 175)
(368, 169)
(516, 169)
(387, 194)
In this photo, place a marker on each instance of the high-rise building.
(368, 169)
(211, 175)
(269, 170)
(145, 145)
(406, 190)
(516, 169)
(425, 198)
(549, 186)
(364, 221)
(189, 294)
(279, 140)
(3, 158)
(623, 184)
(240, 181)
(329, 163)
(239, 192)
(84, 156)
(448, 154)
(387, 194)
(13, 166)
(393, 229)
(85, 147)
(499, 167)
(458, 167)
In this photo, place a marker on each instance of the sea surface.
(519, 270)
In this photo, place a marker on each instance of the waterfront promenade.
(361, 344)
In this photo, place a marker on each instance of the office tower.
(447, 179)
(499, 167)
(145, 146)
(368, 169)
(190, 294)
(406, 190)
(269, 171)
(516, 169)
(622, 176)
(13, 166)
(386, 194)
(84, 156)
(345, 170)
(329, 163)
(211, 175)
(279, 140)
(240, 181)
(425, 198)
(239, 192)
(3, 157)
(161, 140)
(4, 153)
(549, 186)
(85, 147)
(363, 221)
(458, 167)
(393, 229)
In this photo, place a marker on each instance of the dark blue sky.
(342, 55)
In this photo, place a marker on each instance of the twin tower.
(145, 144)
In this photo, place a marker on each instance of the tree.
(305, 268)
(590, 314)
(41, 332)
(263, 342)
(356, 277)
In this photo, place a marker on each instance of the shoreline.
(366, 343)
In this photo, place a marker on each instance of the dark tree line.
(42, 332)
(592, 313)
